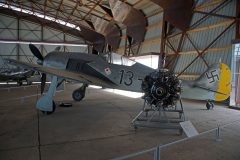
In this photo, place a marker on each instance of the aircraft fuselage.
(121, 77)
(128, 77)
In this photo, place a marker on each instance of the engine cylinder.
(161, 88)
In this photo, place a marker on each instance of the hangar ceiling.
(204, 38)
(92, 18)
(71, 11)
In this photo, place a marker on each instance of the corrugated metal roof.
(203, 35)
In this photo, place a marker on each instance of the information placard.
(189, 129)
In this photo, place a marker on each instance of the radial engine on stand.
(162, 89)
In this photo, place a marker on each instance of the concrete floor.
(99, 127)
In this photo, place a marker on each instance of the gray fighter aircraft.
(16, 75)
(160, 86)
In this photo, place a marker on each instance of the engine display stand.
(153, 116)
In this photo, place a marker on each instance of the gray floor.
(99, 128)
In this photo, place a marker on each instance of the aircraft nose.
(40, 62)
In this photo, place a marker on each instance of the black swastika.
(212, 76)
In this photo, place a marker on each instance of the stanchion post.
(22, 100)
(218, 134)
(157, 153)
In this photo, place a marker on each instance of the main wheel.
(29, 82)
(209, 105)
(78, 95)
(20, 83)
(50, 112)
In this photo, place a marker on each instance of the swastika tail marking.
(212, 76)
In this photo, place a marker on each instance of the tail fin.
(216, 79)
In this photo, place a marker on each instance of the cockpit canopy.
(115, 58)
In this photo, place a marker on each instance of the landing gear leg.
(46, 103)
(209, 104)
(79, 93)
(20, 83)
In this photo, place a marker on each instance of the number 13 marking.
(128, 81)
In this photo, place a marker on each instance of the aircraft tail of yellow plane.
(214, 84)
(224, 83)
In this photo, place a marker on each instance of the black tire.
(29, 82)
(135, 127)
(78, 95)
(65, 105)
(50, 112)
(20, 83)
(209, 105)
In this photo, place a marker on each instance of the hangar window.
(115, 58)
(150, 60)
(15, 8)
(235, 94)
(237, 50)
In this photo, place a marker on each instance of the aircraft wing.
(81, 77)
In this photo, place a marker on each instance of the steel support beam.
(41, 42)
(172, 62)
(200, 55)
(194, 25)
(42, 38)
(162, 57)
(210, 44)
(212, 12)
(92, 37)
(64, 40)
(237, 37)
(216, 15)
(18, 38)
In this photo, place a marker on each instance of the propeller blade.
(35, 51)
(43, 82)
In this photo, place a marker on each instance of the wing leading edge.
(81, 77)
